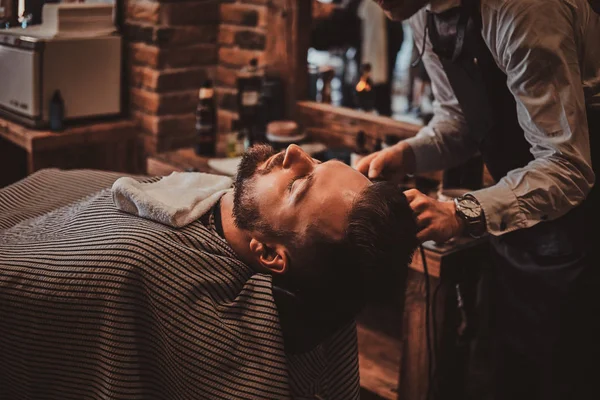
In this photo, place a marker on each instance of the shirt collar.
(215, 220)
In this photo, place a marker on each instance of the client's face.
(290, 190)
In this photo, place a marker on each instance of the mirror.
(359, 59)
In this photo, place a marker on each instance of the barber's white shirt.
(550, 52)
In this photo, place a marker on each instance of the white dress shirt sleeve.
(535, 44)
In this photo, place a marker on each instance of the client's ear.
(273, 257)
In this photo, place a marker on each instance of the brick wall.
(175, 45)
(242, 36)
(172, 51)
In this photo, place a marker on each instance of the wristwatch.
(469, 210)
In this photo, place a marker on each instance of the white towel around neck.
(175, 200)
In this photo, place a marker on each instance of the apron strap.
(468, 10)
(461, 29)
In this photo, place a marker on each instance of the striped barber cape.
(99, 304)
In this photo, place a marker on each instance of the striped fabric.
(98, 304)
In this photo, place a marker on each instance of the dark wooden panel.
(13, 162)
(109, 145)
(287, 48)
(414, 380)
(457, 263)
(379, 358)
(121, 156)
(33, 139)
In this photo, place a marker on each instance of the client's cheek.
(266, 187)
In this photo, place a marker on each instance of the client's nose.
(295, 155)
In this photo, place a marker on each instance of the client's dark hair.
(370, 260)
(334, 279)
(382, 232)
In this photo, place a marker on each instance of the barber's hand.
(436, 220)
(390, 164)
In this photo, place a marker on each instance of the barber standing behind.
(518, 81)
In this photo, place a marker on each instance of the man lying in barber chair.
(255, 299)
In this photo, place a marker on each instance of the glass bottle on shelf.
(249, 86)
(206, 121)
(326, 75)
(365, 95)
(56, 112)
(235, 140)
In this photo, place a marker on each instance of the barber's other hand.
(436, 220)
(390, 164)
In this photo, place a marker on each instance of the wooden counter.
(163, 164)
(111, 145)
(338, 126)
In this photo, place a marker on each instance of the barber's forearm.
(425, 155)
(545, 189)
(440, 145)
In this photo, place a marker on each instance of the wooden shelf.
(107, 145)
(35, 140)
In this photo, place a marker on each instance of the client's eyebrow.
(310, 179)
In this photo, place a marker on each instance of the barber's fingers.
(426, 234)
(434, 221)
(364, 164)
(417, 200)
(374, 164)
(378, 164)
(425, 227)
(411, 194)
(423, 219)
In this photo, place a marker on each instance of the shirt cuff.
(501, 209)
(427, 156)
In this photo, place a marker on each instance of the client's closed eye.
(291, 184)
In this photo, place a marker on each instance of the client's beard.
(245, 210)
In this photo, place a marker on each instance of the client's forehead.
(334, 191)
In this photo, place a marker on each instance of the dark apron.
(541, 309)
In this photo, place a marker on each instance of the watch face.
(470, 208)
